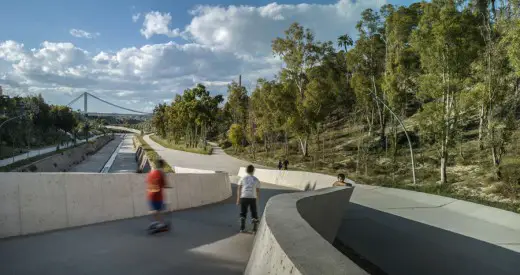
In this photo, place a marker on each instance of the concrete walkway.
(218, 160)
(37, 152)
(403, 235)
(203, 241)
(413, 234)
(421, 235)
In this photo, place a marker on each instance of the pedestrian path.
(218, 160)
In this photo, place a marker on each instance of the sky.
(138, 54)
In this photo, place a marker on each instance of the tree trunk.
(481, 127)
(303, 146)
(395, 143)
(286, 145)
(444, 155)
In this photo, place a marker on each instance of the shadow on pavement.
(401, 246)
(204, 240)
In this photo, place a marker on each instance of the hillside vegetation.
(441, 77)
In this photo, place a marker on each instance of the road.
(37, 152)
(204, 240)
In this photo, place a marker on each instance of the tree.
(401, 63)
(446, 50)
(236, 135)
(301, 54)
(345, 41)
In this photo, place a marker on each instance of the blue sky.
(166, 50)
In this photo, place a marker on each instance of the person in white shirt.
(248, 193)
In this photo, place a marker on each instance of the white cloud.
(136, 16)
(158, 23)
(83, 34)
(223, 43)
(248, 29)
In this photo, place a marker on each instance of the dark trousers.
(246, 203)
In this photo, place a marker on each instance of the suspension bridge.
(85, 96)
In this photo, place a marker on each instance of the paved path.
(94, 163)
(125, 159)
(204, 241)
(403, 235)
(218, 160)
(37, 152)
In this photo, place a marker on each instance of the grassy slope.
(152, 155)
(180, 147)
(470, 173)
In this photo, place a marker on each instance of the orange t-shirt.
(155, 186)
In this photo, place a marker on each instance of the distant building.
(1, 92)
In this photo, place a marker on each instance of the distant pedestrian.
(286, 164)
(341, 181)
(280, 165)
(248, 192)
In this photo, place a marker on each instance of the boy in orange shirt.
(156, 183)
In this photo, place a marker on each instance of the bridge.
(92, 223)
(86, 95)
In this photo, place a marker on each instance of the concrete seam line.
(20, 207)
(66, 205)
(133, 202)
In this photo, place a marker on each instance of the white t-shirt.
(248, 185)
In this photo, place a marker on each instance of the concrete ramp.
(204, 240)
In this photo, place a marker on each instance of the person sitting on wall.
(341, 181)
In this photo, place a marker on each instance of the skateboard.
(155, 228)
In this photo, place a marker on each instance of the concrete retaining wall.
(38, 202)
(296, 232)
(184, 170)
(62, 162)
(296, 179)
(143, 163)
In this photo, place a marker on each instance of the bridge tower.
(85, 103)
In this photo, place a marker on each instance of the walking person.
(280, 165)
(286, 164)
(248, 193)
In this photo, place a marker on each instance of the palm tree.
(345, 41)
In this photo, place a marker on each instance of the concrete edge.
(297, 179)
(295, 235)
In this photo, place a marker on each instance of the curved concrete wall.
(296, 179)
(38, 202)
(296, 232)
